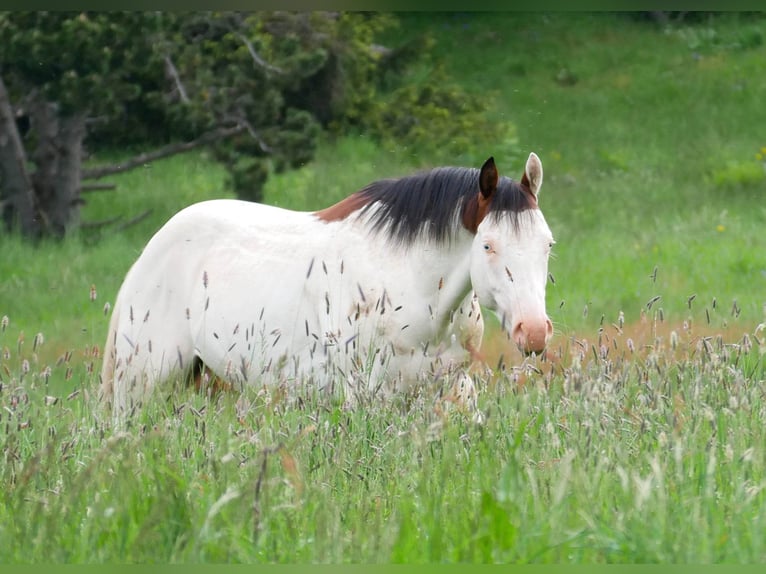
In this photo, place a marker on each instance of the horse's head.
(509, 259)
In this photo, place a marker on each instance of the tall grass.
(614, 454)
(638, 438)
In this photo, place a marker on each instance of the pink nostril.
(532, 337)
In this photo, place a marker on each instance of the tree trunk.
(66, 213)
(58, 157)
(17, 198)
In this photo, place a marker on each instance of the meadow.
(638, 438)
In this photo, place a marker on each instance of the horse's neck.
(437, 274)
(444, 272)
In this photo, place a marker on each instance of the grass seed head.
(747, 345)
(673, 340)
(38, 340)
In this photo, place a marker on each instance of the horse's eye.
(487, 247)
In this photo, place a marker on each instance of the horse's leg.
(146, 353)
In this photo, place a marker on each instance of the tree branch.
(140, 217)
(100, 223)
(109, 221)
(90, 188)
(163, 152)
(240, 119)
(173, 73)
(256, 58)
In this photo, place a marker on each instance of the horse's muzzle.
(532, 336)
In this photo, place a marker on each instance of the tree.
(234, 81)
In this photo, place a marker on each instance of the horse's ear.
(533, 174)
(488, 178)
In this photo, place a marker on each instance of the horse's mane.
(431, 203)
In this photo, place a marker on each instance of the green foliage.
(346, 86)
(79, 60)
(739, 174)
(162, 76)
(167, 76)
(437, 117)
(710, 39)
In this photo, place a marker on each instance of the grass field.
(639, 439)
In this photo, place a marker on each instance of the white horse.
(378, 290)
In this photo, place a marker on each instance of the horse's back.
(226, 218)
(201, 253)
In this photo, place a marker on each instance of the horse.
(380, 291)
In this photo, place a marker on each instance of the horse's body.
(367, 292)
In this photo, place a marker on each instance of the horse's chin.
(532, 353)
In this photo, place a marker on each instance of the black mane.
(433, 203)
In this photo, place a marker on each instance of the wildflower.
(93, 293)
(4, 323)
(720, 228)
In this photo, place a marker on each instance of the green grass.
(646, 459)
(47, 288)
(620, 448)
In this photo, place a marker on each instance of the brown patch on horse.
(476, 208)
(526, 185)
(530, 196)
(343, 208)
(477, 356)
(207, 382)
(474, 212)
